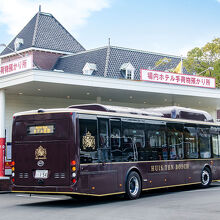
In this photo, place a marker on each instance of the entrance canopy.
(125, 92)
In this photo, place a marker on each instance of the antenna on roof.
(109, 41)
(39, 8)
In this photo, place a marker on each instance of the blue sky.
(163, 26)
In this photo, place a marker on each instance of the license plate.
(41, 174)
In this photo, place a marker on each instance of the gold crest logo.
(88, 141)
(40, 153)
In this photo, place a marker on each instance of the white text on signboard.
(179, 79)
(17, 65)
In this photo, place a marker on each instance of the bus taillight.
(73, 163)
(73, 169)
(13, 170)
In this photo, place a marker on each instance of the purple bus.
(101, 150)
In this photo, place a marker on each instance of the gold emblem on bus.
(88, 141)
(40, 153)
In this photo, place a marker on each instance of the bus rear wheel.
(133, 185)
(206, 177)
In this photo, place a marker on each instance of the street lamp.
(209, 68)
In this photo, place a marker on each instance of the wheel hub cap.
(205, 177)
(133, 186)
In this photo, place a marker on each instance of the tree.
(205, 61)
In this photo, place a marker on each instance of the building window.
(128, 74)
(127, 71)
(17, 44)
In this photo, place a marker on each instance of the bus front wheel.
(206, 177)
(133, 185)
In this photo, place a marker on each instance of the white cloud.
(70, 13)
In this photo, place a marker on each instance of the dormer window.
(89, 68)
(129, 74)
(17, 44)
(127, 70)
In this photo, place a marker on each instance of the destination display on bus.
(40, 129)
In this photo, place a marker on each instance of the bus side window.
(175, 141)
(133, 141)
(104, 145)
(156, 139)
(116, 150)
(190, 142)
(88, 141)
(215, 145)
(215, 141)
(204, 142)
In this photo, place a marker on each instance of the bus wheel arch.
(133, 183)
(206, 176)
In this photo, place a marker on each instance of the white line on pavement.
(39, 197)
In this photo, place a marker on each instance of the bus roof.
(118, 109)
(183, 113)
(150, 113)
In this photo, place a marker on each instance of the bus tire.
(206, 177)
(133, 185)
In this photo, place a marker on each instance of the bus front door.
(97, 175)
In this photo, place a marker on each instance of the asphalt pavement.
(177, 203)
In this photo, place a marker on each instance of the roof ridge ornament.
(36, 26)
(107, 57)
